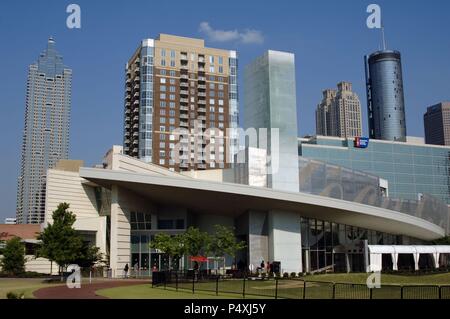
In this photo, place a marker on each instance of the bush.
(293, 275)
(285, 275)
(300, 274)
(13, 261)
(14, 295)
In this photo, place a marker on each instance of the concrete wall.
(69, 187)
(39, 265)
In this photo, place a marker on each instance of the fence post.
(217, 285)
(243, 288)
(304, 289)
(440, 292)
(176, 281)
(276, 288)
(401, 292)
(371, 292)
(334, 290)
(165, 280)
(193, 283)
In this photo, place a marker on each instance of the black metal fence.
(292, 288)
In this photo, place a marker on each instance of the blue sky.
(329, 39)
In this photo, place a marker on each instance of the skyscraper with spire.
(385, 97)
(46, 131)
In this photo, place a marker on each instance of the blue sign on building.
(361, 142)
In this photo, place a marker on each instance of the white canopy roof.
(409, 249)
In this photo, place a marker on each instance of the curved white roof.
(409, 249)
(234, 199)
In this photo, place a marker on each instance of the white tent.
(376, 252)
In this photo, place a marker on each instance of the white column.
(120, 235)
(285, 244)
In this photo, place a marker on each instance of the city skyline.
(91, 140)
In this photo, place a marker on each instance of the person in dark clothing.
(126, 271)
(240, 265)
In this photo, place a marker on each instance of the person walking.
(125, 270)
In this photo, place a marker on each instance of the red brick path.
(87, 291)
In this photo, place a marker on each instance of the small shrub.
(293, 275)
(285, 275)
(300, 274)
(13, 295)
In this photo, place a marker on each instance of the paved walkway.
(87, 291)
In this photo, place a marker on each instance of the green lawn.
(318, 288)
(410, 279)
(26, 286)
(147, 292)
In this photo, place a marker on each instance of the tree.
(223, 242)
(173, 246)
(13, 261)
(195, 241)
(59, 241)
(89, 255)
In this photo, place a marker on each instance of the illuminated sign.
(361, 142)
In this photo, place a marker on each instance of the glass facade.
(144, 227)
(418, 175)
(46, 132)
(385, 98)
(337, 247)
(270, 103)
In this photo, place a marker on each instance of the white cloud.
(248, 36)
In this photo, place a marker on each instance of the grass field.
(26, 286)
(319, 288)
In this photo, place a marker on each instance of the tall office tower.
(181, 104)
(437, 124)
(339, 113)
(346, 115)
(323, 113)
(46, 133)
(385, 99)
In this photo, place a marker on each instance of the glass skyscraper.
(385, 99)
(46, 132)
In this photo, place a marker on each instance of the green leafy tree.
(195, 241)
(89, 255)
(173, 246)
(223, 242)
(13, 261)
(59, 241)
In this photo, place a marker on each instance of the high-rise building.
(339, 113)
(437, 124)
(323, 113)
(181, 104)
(46, 132)
(385, 98)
